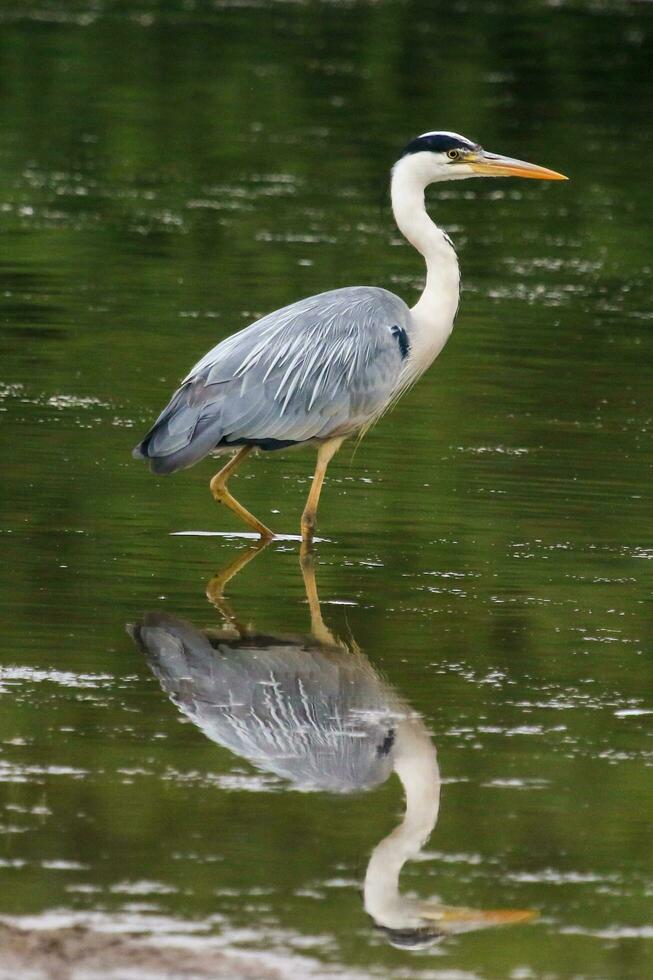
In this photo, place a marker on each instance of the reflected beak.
(453, 920)
(493, 165)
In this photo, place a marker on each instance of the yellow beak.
(493, 165)
(453, 920)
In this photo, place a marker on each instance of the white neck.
(434, 312)
(416, 764)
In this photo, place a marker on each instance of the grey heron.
(327, 367)
(314, 711)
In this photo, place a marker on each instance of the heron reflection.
(313, 711)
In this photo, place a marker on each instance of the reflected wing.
(322, 367)
(320, 717)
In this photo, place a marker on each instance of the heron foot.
(221, 495)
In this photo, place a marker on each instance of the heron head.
(423, 924)
(449, 156)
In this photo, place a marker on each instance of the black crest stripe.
(438, 143)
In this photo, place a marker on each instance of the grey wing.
(322, 367)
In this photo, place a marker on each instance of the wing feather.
(327, 365)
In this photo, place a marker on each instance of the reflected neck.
(416, 764)
(436, 308)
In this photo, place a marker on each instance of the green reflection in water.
(169, 172)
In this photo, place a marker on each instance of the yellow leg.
(221, 494)
(325, 454)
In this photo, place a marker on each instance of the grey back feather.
(318, 716)
(325, 366)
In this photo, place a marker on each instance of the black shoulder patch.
(386, 744)
(400, 335)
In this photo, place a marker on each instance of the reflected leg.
(325, 454)
(319, 629)
(215, 586)
(220, 493)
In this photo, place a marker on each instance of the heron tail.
(182, 434)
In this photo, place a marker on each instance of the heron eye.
(454, 154)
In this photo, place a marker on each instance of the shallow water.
(168, 172)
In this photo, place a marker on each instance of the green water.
(168, 171)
